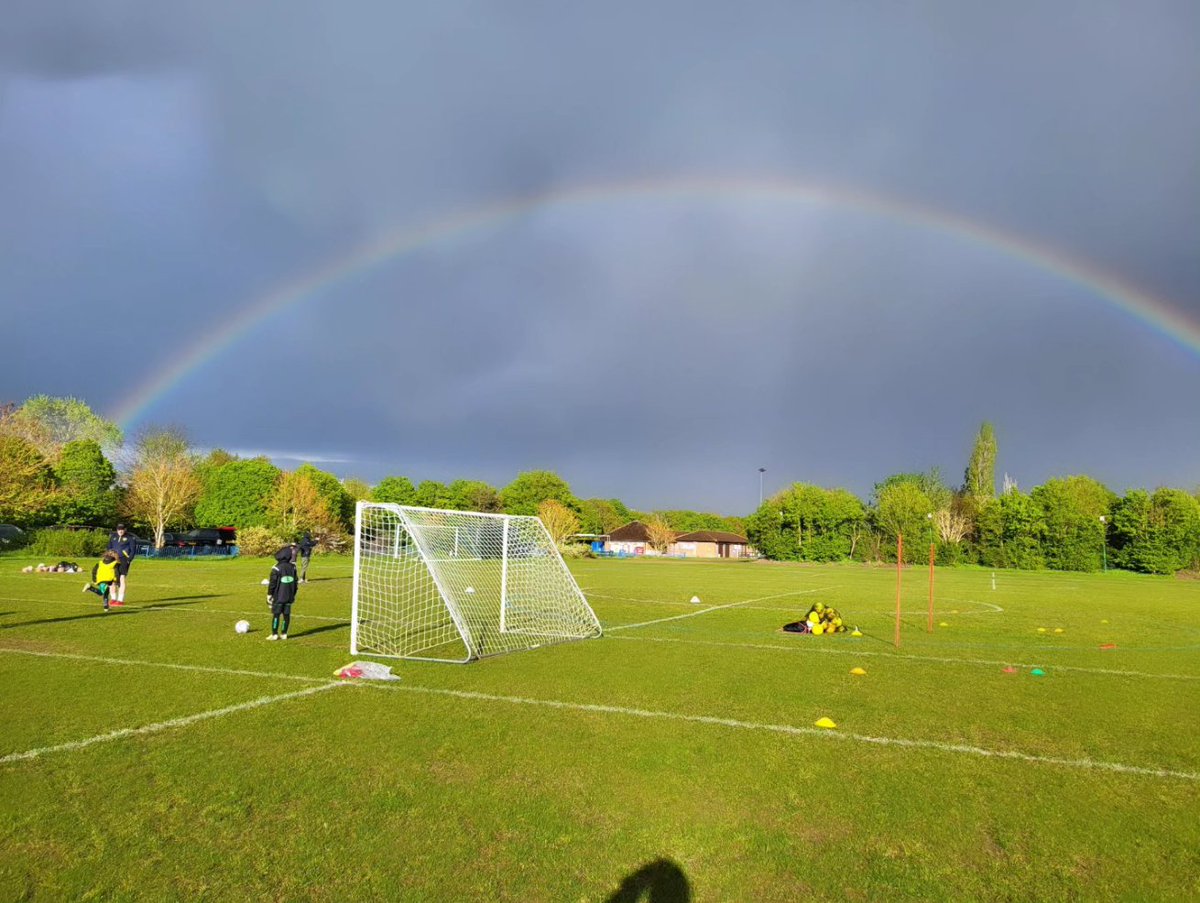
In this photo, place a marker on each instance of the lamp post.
(761, 471)
(1104, 541)
(929, 517)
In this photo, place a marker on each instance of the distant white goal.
(454, 586)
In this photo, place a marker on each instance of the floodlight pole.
(761, 471)
(1104, 541)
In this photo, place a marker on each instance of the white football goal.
(454, 586)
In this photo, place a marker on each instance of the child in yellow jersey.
(104, 575)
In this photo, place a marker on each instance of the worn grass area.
(678, 749)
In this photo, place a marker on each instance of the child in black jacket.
(281, 592)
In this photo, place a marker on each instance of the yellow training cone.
(824, 722)
(1041, 630)
(1058, 630)
(856, 632)
(859, 671)
(943, 624)
(1104, 620)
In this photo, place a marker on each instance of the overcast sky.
(164, 166)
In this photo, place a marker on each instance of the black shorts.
(282, 608)
(123, 568)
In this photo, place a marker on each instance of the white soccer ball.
(266, 582)
(695, 600)
(242, 626)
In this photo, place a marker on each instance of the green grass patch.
(684, 735)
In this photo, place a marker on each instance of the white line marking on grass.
(919, 658)
(166, 725)
(172, 665)
(704, 611)
(793, 730)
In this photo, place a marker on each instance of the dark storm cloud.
(165, 164)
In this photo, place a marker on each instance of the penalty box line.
(794, 730)
(207, 669)
(1082, 669)
(159, 726)
(704, 611)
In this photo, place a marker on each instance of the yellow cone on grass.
(824, 722)
(859, 671)
(1041, 630)
(1058, 630)
(856, 632)
(943, 624)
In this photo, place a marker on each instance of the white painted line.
(166, 725)
(171, 665)
(704, 611)
(963, 749)
(810, 646)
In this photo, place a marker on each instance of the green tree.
(27, 484)
(1075, 537)
(236, 494)
(979, 480)
(397, 490)
(48, 423)
(600, 516)
(1012, 530)
(341, 505)
(524, 494)
(432, 494)
(358, 490)
(1156, 534)
(902, 508)
(473, 495)
(88, 483)
(807, 523)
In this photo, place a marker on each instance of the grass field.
(153, 753)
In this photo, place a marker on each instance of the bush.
(80, 543)
(259, 542)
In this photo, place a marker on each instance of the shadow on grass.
(123, 611)
(150, 603)
(328, 627)
(660, 881)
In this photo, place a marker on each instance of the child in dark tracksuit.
(281, 592)
(104, 576)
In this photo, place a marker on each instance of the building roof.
(711, 536)
(634, 531)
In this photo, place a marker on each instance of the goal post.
(455, 586)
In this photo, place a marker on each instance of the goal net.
(458, 585)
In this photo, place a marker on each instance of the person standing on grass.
(305, 547)
(104, 575)
(281, 592)
(121, 543)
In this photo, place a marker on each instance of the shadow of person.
(660, 881)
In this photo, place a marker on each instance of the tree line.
(62, 464)
(1070, 523)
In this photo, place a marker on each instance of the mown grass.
(408, 792)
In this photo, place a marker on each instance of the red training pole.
(931, 554)
(899, 573)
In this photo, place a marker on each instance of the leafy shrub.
(259, 542)
(577, 550)
(79, 543)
